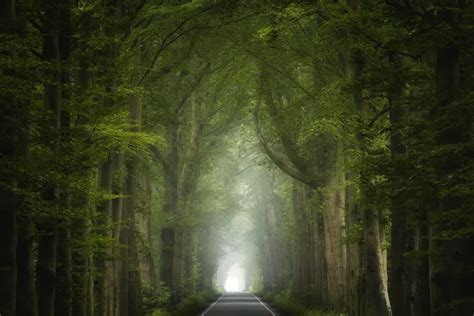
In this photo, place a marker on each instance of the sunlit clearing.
(235, 281)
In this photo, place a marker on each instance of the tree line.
(354, 116)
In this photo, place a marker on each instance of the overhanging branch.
(289, 170)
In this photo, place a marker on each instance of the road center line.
(264, 305)
(213, 304)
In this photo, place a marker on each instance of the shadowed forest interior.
(157, 153)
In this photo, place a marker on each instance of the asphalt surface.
(238, 304)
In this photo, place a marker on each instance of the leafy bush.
(154, 300)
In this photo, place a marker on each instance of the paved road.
(238, 304)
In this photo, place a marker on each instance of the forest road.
(238, 304)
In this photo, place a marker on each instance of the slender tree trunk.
(104, 211)
(354, 289)
(80, 267)
(63, 300)
(47, 226)
(118, 167)
(8, 199)
(8, 231)
(168, 234)
(377, 302)
(133, 287)
(451, 260)
(26, 300)
(400, 278)
(421, 283)
(320, 284)
(377, 292)
(46, 268)
(124, 264)
(188, 261)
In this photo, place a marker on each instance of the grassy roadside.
(287, 306)
(192, 305)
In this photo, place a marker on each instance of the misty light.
(235, 281)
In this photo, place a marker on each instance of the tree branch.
(167, 41)
(292, 172)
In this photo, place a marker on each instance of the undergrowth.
(191, 305)
(288, 306)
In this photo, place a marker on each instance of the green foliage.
(200, 68)
(192, 305)
(285, 303)
(155, 299)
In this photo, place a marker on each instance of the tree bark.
(335, 252)
(104, 211)
(376, 302)
(355, 290)
(118, 168)
(421, 284)
(130, 288)
(8, 199)
(80, 266)
(401, 280)
(47, 226)
(451, 259)
(26, 299)
(303, 251)
(377, 292)
(63, 300)
(168, 234)
(46, 268)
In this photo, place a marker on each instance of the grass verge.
(192, 305)
(288, 306)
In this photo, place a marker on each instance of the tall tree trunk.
(400, 278)
(421, 285)
(8, 228)
(46, 268)
(104, 212)
(302, 269)
(319, 265)
(8, 199)
(47, 226)
(188, 261)
(26, 300)
(118, 168)
(80, 268)
(377, 302)
(63, 300)
(168, 234)
(335, 252)
(377, 292)
(451, 259)
(124, 263)
(355, 290)
(134, 300)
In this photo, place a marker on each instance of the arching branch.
(289, 170)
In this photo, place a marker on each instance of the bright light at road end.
(235, 281)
